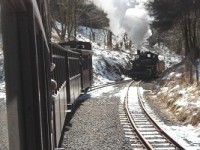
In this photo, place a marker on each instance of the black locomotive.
(145, 66)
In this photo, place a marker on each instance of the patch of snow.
(99, 92)
(122, 95)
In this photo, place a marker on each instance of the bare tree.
(183, 14)
(109, 39)
(58, 11)
(67, 15)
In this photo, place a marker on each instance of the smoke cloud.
(127, 16)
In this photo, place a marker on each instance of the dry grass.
(188, 114)
(182, 114)
(195, 118)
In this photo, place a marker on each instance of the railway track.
(142, 130)
(108, 84)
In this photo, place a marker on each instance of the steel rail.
(108, 84)
(155, 123)
(142, 138)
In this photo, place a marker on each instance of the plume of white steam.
(127, 16)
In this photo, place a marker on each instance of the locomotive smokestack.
(138, 52)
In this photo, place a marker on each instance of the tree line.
(180, 18)
(67, 15)
(175, 23)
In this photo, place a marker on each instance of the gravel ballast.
(96, 124)
(3, 126)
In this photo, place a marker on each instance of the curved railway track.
(144, 132)
(108, 84)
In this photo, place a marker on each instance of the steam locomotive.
(146, 66)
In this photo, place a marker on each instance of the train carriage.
(27, 72)
(36, 112)
(85, 49)
(68, 74)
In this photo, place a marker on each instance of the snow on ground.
(170, 57)
(2, 76)
(109, 65)
(188, 95)
(181, 98)
(182, 101)
(99, 92)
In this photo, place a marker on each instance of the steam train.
(146, 66)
